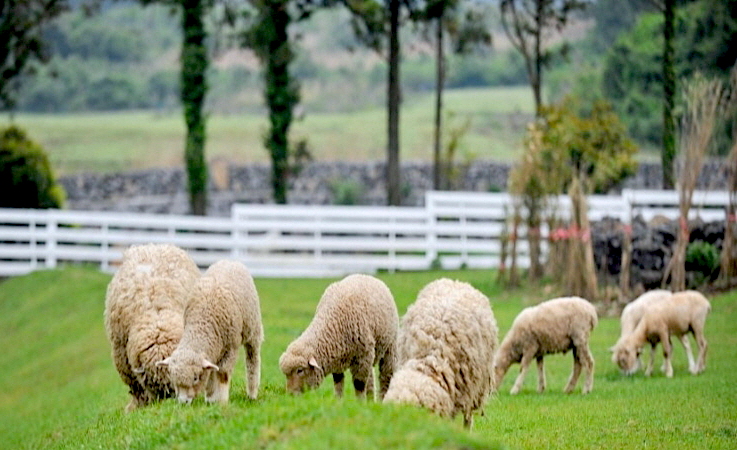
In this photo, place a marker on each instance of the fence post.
(431, 252)
(51, 232)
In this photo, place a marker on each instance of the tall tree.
(465, 30)
(393, 186)
(193, 90)
(527, 24)
(269, 39)
(668, 153)
(21, 42)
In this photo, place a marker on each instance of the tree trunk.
(393, 99)
(281, 95)
(193, 91)
(536, 77)
(669, 90)
(440, 81)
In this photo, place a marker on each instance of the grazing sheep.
(446, 349)
(631, 315)
(684, 313)
(554, 326)
(355, 327)
(144, 316)
(223, 314)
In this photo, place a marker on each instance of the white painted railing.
(453, 229)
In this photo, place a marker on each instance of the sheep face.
(627, 358)
(189, 374)
(301, 373)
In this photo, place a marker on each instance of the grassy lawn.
(59, 389)
(142, 139)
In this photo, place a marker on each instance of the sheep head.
(627, 357)
(189, 373)
(302, 372)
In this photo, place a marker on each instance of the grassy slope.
(58, 387)
(129, 140)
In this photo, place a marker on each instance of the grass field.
(59, 389)
(141, 139)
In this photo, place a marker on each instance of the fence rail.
(453, 229)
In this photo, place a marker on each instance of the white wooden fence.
(452, 229)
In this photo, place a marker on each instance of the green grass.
(59, 389)
(106, 142)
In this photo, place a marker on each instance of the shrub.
(26, 177)
(702, 258)
(346, 191)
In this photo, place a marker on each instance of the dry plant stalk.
(624, 270)
(728, 261)
(705, 99)
(516, 221)
(580, 273)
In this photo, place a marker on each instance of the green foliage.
(703, 258)
(346, 191)
(21, 41)
(570, 142)
(26, 177)
(56, 358)
(705, 33)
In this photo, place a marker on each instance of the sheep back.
(446, 346)
(144, 309)
(354, 317)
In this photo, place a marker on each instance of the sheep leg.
(573, 379)
(253, 370)
(386, 370)
(363, 379)
(667, 353)
(540, 375)
(218, 387)
(588, 363)
(524, 365)
(689, 354)
(338, 379)
(651, 363)
(698, 332)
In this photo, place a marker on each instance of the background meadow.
(59, 389)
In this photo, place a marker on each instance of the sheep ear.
(208, 365)
(313, 363)
(164, 362)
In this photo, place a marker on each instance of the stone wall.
(164, 190)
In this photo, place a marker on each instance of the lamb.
(354, 327)
(223, 314)
(446, 348)
(144, 316)
(554, 326)
(685, 312)
(631, 315)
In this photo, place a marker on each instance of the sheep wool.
(631, 316)
(354, 327)
(685, 312)
(553, 326)
(446, 348)
(223, 314)
(144, 316)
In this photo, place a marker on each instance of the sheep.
(144, 316)
(631, 315)
(553, 326)
(354, 327)
(446, 348)
(684, 312)
(223, 314)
